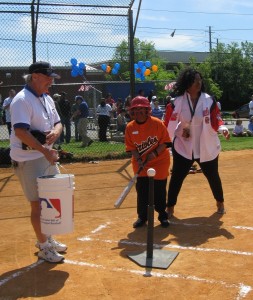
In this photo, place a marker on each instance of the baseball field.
(215, 252)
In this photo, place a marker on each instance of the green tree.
(143, 51)
(232, 69)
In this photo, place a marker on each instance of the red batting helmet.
(140, 101)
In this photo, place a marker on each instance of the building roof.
(175, 57)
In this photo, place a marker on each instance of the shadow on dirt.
(188, 232)
(36, 280)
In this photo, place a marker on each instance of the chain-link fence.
(61, 33)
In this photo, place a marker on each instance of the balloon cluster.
(142, 69)
(106, 68)
(77, 69)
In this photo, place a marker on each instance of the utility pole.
(210, 39)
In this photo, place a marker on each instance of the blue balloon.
(143, 77)
(138, 75)
(117, 66)
(74, 73)
(103, 67)
(148, 64)
(75, 68)
(136, 66)
(73, 61)
(114, 71)
(143, 69)
(80, 72)
(81, 65)
(140, 64)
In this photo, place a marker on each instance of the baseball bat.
(128, 188)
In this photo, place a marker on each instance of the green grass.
(97, 150)
(236, 143)
(113, 150)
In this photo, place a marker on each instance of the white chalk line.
(19, 273)
(243, 227)
(243, 289)
(159, 246)
(100, 227)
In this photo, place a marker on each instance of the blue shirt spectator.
(84, 109)
(156, 111)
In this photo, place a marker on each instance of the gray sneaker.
(59, 247)
(49, 254)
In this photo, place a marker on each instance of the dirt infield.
(215, 258)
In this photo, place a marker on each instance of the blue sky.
(230, 21)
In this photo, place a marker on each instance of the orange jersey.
(145, 138)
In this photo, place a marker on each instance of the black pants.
(67, 125)
(103, 123)
(9, 127)
(180, 169)
(142, 188)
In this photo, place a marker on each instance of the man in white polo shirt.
(35, 127)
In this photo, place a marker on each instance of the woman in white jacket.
(193, 121)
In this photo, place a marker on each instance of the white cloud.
(176, 43)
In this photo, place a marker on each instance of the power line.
(198, 12)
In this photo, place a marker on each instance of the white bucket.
(56, 195)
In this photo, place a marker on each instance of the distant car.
(241, 112)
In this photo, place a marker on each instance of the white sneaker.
(49, 254)
(59, 247)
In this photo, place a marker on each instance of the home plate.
(161, 259)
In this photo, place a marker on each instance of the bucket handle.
(61, 166)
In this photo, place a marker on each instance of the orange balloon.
(147, 72)
(154, 68)
(108, 69)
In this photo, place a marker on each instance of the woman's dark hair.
(185, 81)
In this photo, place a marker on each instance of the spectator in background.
(141, 93)
(127, 108)
(150, 95)
(104, 112)
(121, 121)
(251, 107)
(82, 112)
(1, 114)
(75, 119)
(6, 108)
(119, 105)
(109, 100)
(152, 103)
(156, 111)
(56, 98)
(239, 130)
(65, 108)
(250, 127)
